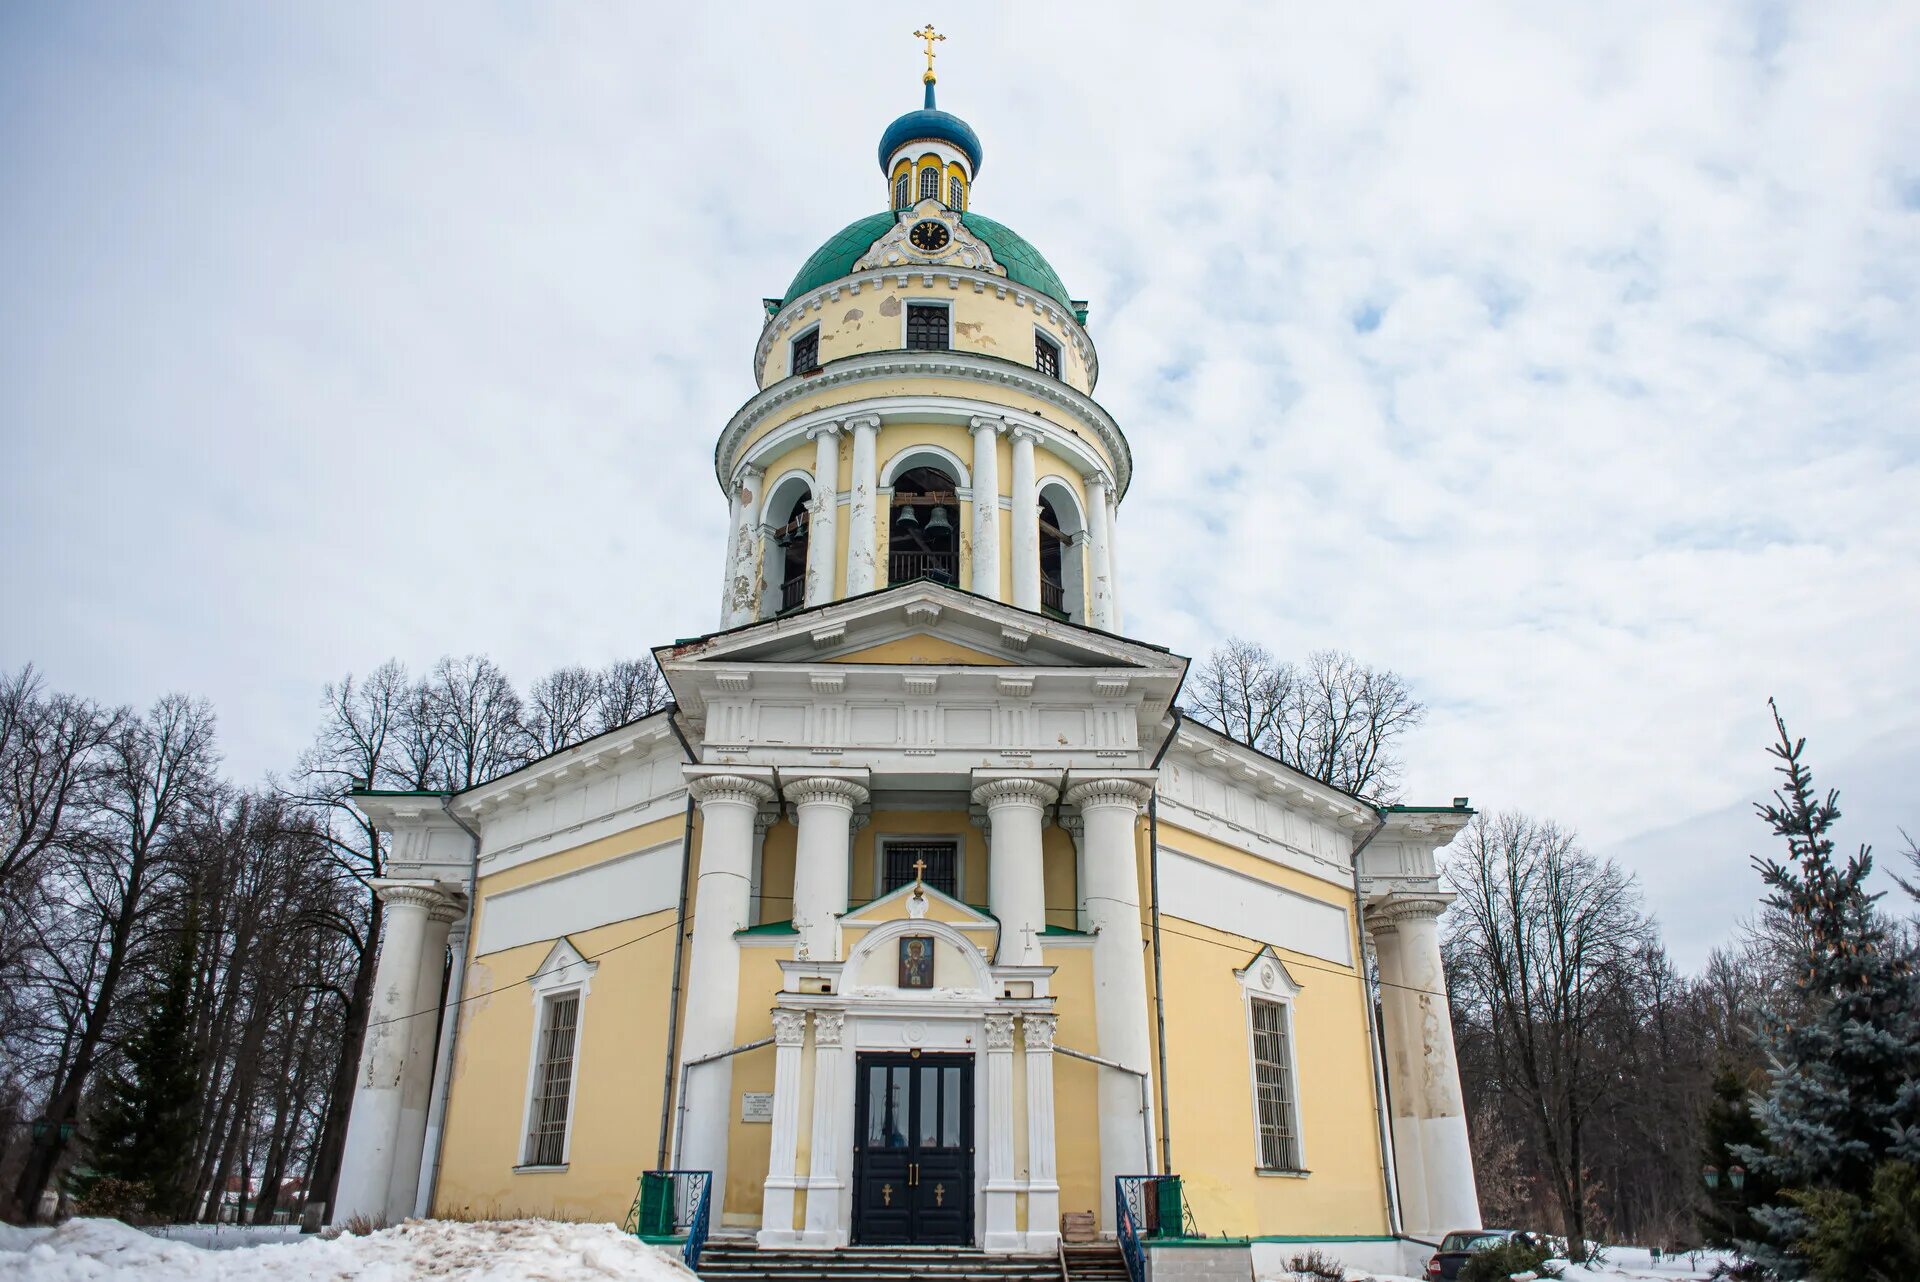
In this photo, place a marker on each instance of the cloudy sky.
(1565, 358)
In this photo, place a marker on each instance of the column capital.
(763, 820)
(1039, 1031)
(409, 894)
(1099, 481)
(986, 423)
(1023, 432)
(1111, 790)
(999, 1030)
(827, 790)
(729, 789)
(832, 427)
(750, 473)
(1390, 914)
(789, 1026)
(859, 422)
(1016, 791)
(827, 1025)
(1072, 822)
(448, 911)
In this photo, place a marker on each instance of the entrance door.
(913, 1151)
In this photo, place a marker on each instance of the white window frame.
(956, 185)
(886, 839)
(906, 307)
(564, 973)
(1266, 979)
(1040, 334)
(794, 342)
(903, 191)
(939, 172)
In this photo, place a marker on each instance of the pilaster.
(1043, 1181)
(832, 1131)
(776, 1203)
(1001, 1188)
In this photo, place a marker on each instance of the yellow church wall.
(922, 823)
(923, 648)
(776, 872)
(1059, 874)
(749, 1144)
(622, 1055)
(1076, 1103)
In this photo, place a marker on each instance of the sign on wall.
(756, 1106)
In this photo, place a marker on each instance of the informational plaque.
(756, 1106)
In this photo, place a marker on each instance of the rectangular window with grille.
(806, 352)
(900, 192)
(553, 1081)
(942, 860)
(926, 327)
(1046, 356)
(1273, 1088)
(929, 183)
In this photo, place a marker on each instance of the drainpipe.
(1387, 1175)
(679, 954)
(1146, 1099)
(449, 1029)
(1159, 984)
(680, 1122)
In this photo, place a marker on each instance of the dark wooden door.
(913, 1150)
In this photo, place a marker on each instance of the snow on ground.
(1617, 1264)
(494, 1251)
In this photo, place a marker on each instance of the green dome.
(1024, 264)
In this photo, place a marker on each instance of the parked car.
(1458, 1246)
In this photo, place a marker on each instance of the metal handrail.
(691, 1190)
(1127, 1230)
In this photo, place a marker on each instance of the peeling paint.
(890, 305)
(853, 314)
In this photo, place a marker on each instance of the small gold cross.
(928, 34)
(919, 871)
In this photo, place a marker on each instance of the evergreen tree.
(144, 1133)
(1727, 1130)
(1844, 1094)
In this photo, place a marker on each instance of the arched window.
(900, 192)
(1062, 551)
(929, 183)
(783, 577)
(924, 538)
(956, 192)
(1053, 547)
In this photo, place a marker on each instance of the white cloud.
(1565, 359)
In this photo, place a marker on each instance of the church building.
(922, 916)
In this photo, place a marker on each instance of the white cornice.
(1263, 773)
(595, 756)
(799, 310)
(963, 367)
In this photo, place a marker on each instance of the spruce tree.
(1844, 1096)
(144, 1132)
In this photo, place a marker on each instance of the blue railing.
(1147, 1207)
(673, 1206)
(1127, 1229)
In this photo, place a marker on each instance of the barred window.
(806, 352)
(1273, 1087)
(553, 1081)
(1046, 356)
(900, 192)
(929, 183)
(926, 327)
(940, 859)
(956, 192)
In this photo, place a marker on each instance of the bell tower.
(925, 410)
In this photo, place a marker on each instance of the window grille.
(956, 192)
(900, 192)
(942, 859)
(929, 183)
(1273, 1087)
(806, 352)
(1046, 356)
(553, 1082)
(926, 327)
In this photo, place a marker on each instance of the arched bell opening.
(1062, 582)
(924, 534)
(784, 565)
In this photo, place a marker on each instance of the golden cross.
(919, 871)
(928, 34)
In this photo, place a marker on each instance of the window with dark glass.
(546, 1142)
(806, 352)
(1046, 356)
(1273, 1087)
(790, 545)
(1053, 557)
(926, 327)
(929, 183)
(900, 192)
(941, 858)
(956, 192)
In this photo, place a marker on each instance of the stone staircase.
(726, 1260)
(1093, 1262)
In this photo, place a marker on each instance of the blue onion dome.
(931, 122)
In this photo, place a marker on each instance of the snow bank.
(495, 1251)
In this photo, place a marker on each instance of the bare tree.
(49, 751)
(561, 708)
(1544, 938)
(477, 715)
(629, 689)
(1243, 691)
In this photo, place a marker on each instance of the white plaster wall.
(1226, 900)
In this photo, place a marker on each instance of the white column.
(863, 568)
(1109, 808)
(728, 803)
(823, 813)
(1016, 877)
(442, 1069)
(1043, 1180)
(832, 1133)
(822, 542)
(986, 506)
(1001, 1187)
(416, 1079)
(1099, 568)
(1433, 1109)
(743, 551)
(1113, 564)
(776, 1201)
(735, 504)
(1409, 1170)
(1077, 830)
(1026, 521)
(366, 1166)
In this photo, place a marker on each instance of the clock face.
(929, 237)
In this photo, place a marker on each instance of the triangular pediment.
(923, 647)
(934, 906)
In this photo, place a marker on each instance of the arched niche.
(785, 520)
(1063, 539)
(873, 962)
